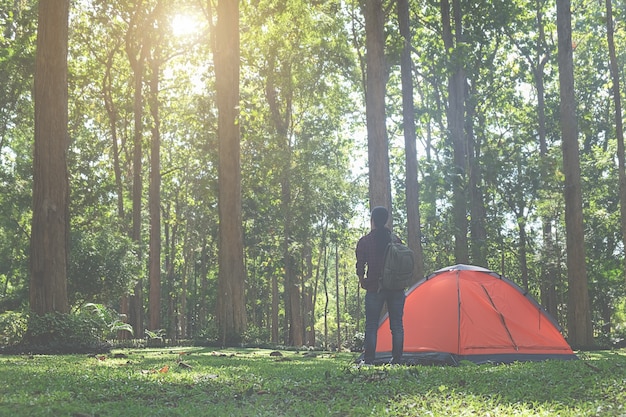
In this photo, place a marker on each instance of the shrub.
(13, 325)
(65, 333)
(109, 319)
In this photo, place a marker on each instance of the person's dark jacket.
(369, 261)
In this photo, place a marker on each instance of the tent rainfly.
(466, 312)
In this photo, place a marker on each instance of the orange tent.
(466, 312)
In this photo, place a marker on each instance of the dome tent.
(466, 312)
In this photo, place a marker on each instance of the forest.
(202, 170)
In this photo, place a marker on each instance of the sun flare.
(184, 25)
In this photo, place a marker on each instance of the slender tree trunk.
(478, 213)
(292, 289)
(580, 331)
(111, 110)
(136, 53)
(308, 297)
(109, 105)
(410, 143)
(619, 127)
(184, 292)
(337, 296)
(322, 251)
(281, 111)
(523, 238)
(326, 297)
(154, 203)
(275, 307)
(203, 310)
(231, 309)
(50, 223)
(548, 256)
(456, 124)
(377, 142)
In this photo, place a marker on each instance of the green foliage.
(84, 331)
(103, 266)
(249, 382)
(66, 333)
(13, 326)
(108, 317)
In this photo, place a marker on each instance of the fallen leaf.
(164, 369)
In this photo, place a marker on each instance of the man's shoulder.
(365, 240)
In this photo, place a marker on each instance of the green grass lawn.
(251, 382)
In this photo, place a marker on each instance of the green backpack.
(397, 267)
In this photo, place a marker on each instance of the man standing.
(370, 252)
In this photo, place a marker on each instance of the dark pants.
(374, 302)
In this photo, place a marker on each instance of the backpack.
(397, 267)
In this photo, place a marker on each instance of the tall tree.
(453, 42)
(410, 141)
(231, 307)
(580, 331)
(154, 191)
(137, 53)
(619, 127)
(50, 224)
(537, 54)
(281, 107)
(375, 87)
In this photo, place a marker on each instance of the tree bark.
(337, 296)
(548, 269)
(154, 202)
(136, 53)
(456, 123)
(377, 142)
(410, 143)
(50, 222)
(580, 331)
(619, 127)
(231, 308)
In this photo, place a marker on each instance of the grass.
(251, 382)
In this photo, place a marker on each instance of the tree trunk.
(377, 143)
(136, 53)
(292, 289)
(308, 297)
(337, 296)
(50, 222)
(275, 310)
(580, 331)
(154, 203)
(281, 111)
(231, 311)
(523, 238)
(478, 212)
(410, 143)
(619, 127)
(456, 124)
(548, 256)
(111, 110)
(326, 297)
